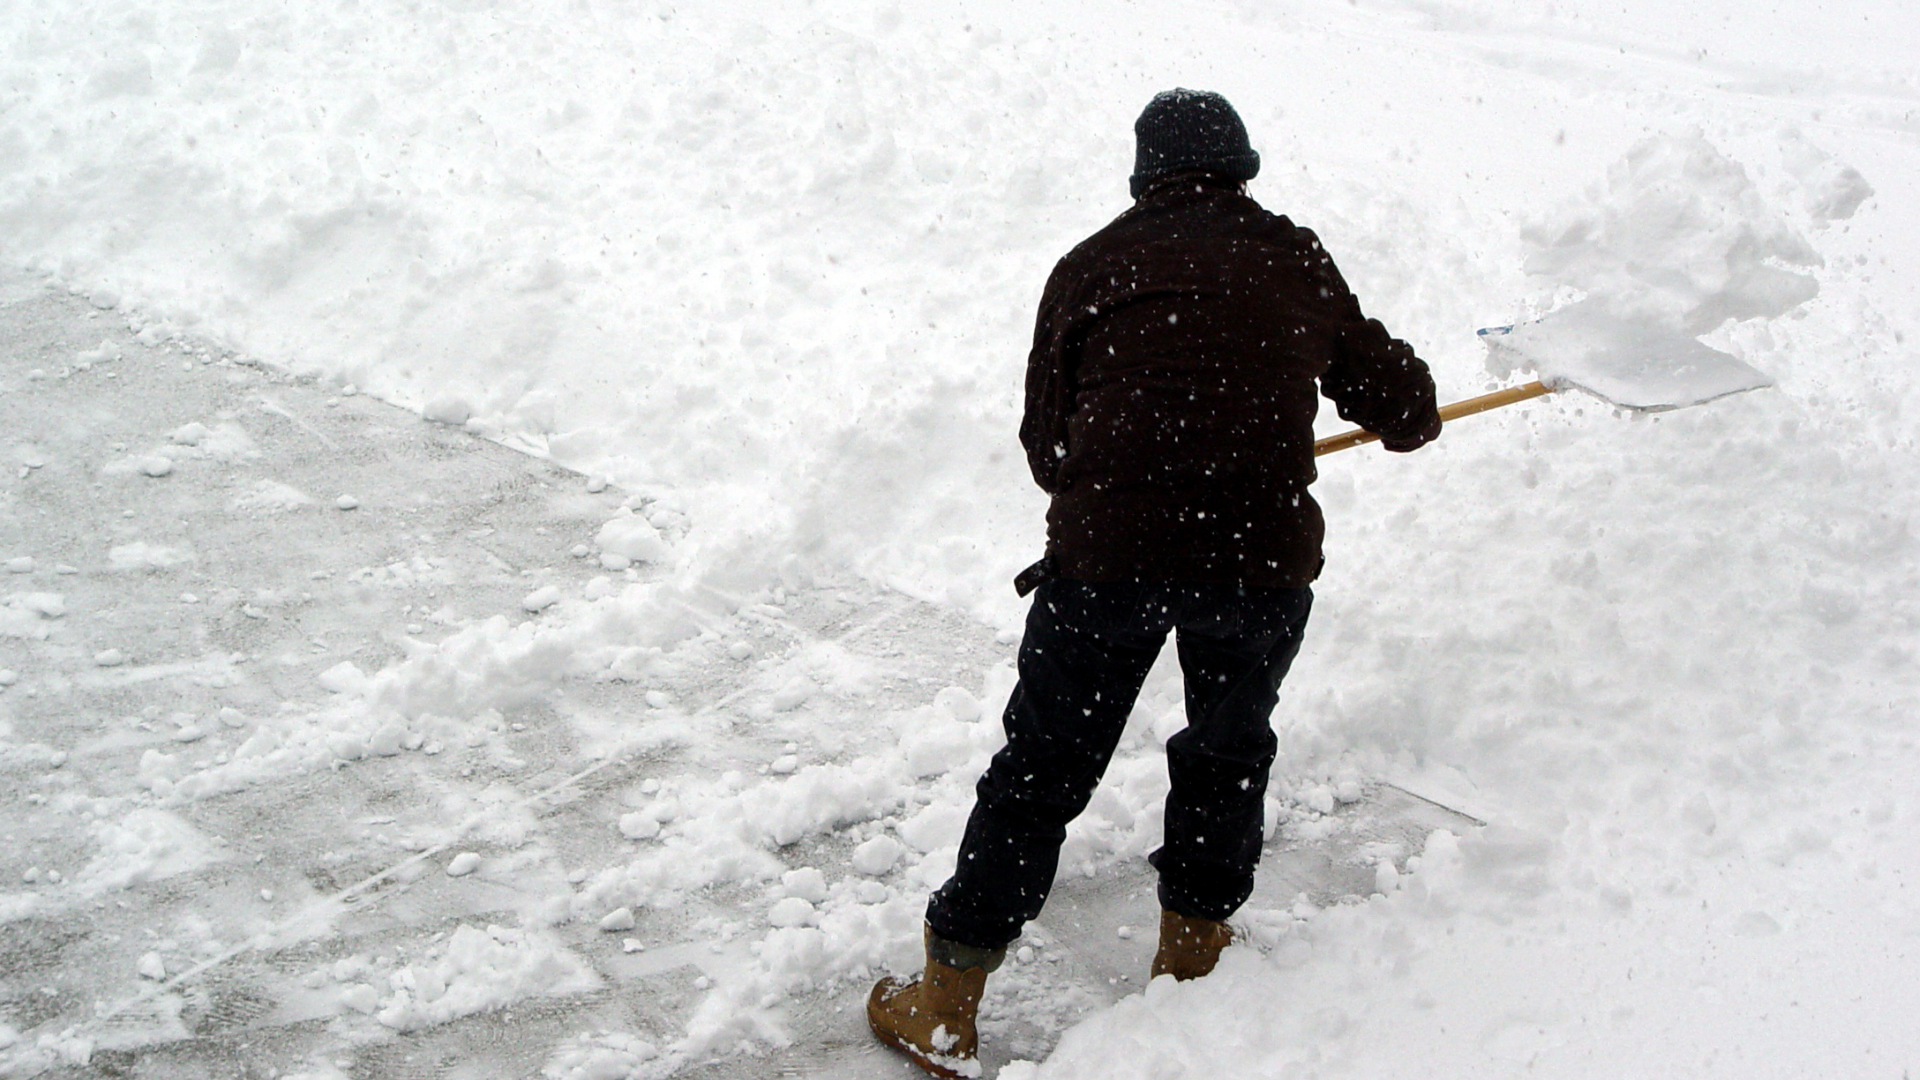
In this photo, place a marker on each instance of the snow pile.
(146, 845)
(1677, 235)
(601, 1055)
(292, 741)
(728, 830)
(642, 270)
(474, 970)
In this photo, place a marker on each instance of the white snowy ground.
(769, 270)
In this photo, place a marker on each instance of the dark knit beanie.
(1190, 129)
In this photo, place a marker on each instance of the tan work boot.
(931, 1019)
(1189, 947)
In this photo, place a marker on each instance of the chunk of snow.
(343, 678)
(958, 704)
(463, 864)
(937, 746)
(541, 599)
(878, 855)
(935, 826)
(346, 745)
(346, 502)
(140, 555)
(20, 564)
(104, 352)
(807, 883)
(1385, 877)
(388, 740)
(639, 825)
(109, 658)
(448, 409)
(156, 465)
(790, 912)
(617, 921)
(794, 694)
(188, 434)
(152, 967)
(44, 604)
(631, 536)
(272, 496)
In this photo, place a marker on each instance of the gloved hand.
(1406, 443)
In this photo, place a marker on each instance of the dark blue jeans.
(1087, 649)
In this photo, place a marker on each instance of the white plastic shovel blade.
(1631, 363)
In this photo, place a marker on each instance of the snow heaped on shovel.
(1676, 242)
(1634, 365)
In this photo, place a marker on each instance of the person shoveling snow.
(1169, 413)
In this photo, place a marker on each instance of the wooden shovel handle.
(1448, 413)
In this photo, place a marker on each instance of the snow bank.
(779, 268)
(784, 268)
(1678, 235)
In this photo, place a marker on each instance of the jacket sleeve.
(1374, 380)
(1051, 385)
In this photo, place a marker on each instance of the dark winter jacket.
(1170, 391)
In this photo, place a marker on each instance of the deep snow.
(770, 271)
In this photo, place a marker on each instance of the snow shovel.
(1629, 364)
